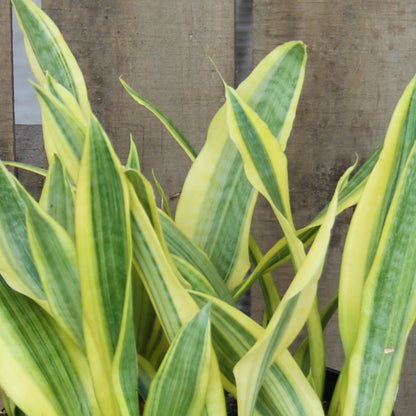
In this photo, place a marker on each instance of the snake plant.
(112, 305)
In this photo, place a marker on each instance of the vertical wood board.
(6, 84)
(361, 56)
(162, 50)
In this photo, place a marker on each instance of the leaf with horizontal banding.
(378, 264)
(55, 258)
(43, 371)
(58, 197)
(48, 52)
(104, 250)
(63, 129)
(162, 281)
(285, 390)
(16, 261)
(180, 246)
(181, 384)
(217, 202)
(264, 163)
(290, 315)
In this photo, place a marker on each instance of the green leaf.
(43, 371)
(265, 165)
(302, 353)
(30, 168)
(47, 51)
(381, 251)
(165, 201)
(279, 253)
(170, 126)
(217, 201)
(146, 376)
(133, 160)
(180, 246)
(16, 261)
(64, 129)
(270, 294)
(181, 383)
(289, 317)
(103, 242)
(145, 194)
(366, 226)
(194, 277)
(58, 197)
(285, 391)
(55, 257)
(173, 305)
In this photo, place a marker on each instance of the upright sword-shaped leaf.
(104, 249)
(378, 281)
(217, 201)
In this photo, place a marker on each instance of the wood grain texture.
(162, 50)
(361, 57)
(6, 82)
(6, 88)
(29, 149)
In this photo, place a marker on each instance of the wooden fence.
(361, 57)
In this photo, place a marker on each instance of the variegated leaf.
(47, 51)
(181, 384)
(217, 202)
(379, 263)
(43, 371)
(103, 242)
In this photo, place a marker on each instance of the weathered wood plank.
(161, 49)
(360, 60)
(6, 82)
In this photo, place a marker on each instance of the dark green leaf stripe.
(181, 246)
(180, 386)
(170, 300)
(16, 265)
(273, 96)
(55, 257)
(390, 308)
(65, 133)
(170, 126)
(103, 240)
(51, 52)
(164, 198)
(233, 334)
(133, 161)
(255, 147)
(49, 358)
(58, 198)
(264, 92)
(109, 229)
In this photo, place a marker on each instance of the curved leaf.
(48, 52)
(41, 368)
(217, 201)
(181, 383)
